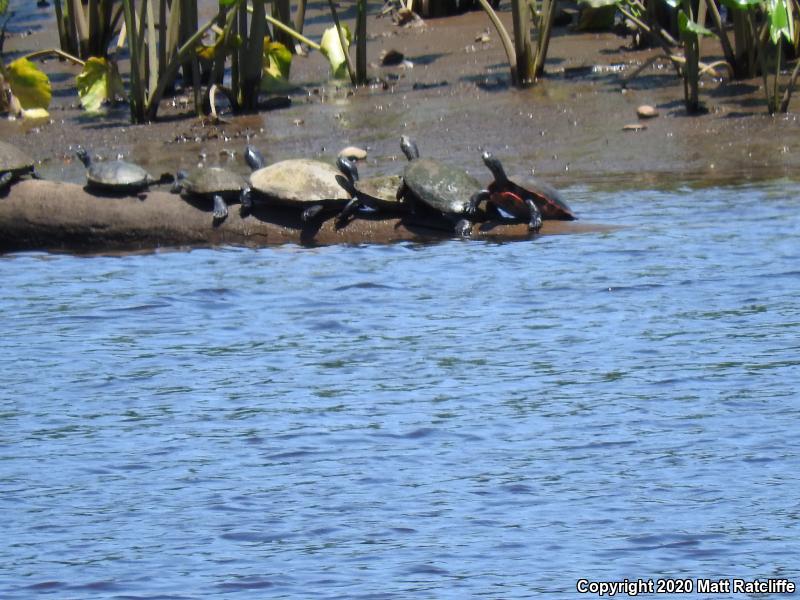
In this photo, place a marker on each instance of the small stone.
(634, 127)
(645, 111)
(391, 58)
(483, 38)
(353, 153)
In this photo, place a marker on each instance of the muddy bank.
(453, 94)
(44, 215)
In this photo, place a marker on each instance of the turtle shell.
(213, 180)
(300, 181)
(440, 186)
(510, 197)
(14, 160)
(381, 191)
(117, 175)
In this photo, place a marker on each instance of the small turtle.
(309, 184)
(450, 192)
(115, 176)
(521, 200)
(377, 194)
(14, 163)
(215, 183)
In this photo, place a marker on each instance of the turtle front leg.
(535, 221)
(475, 202)
(220, 208)
(349, 209)
(463, 228)
(5, 180)
(245, 202)
(311, 212)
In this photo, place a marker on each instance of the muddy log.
(55, 216)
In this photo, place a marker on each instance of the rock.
(645, 111)
(391, 58)
(634, 127)
(353, 153)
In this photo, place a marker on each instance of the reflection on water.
(456, 420)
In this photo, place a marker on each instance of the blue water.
(458, 420)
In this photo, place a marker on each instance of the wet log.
(63, 217)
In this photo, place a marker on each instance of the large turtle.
(14, 163)
(532, 200)
(378, 194)
(311, 185)
(115, 176)
(215, 183)
(447, 191)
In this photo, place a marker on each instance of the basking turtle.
(448, 191)
(115, 176)
(311, 185)
(14, 163)
(215, 183)
(520, 200)
(378, 194)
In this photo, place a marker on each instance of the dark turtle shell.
(510, 195)
(14, 161)
(117, 175)
(209, 181)
(300, 181)
(440, 186)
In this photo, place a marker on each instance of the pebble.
(634, 127)
(353, 153)
(645, 111)
(391, 58)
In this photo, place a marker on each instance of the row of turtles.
(440, 192)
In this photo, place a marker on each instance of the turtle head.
(409, 147)
(177, 182)
(494, 165)
(84, 157)
(348, 168)
(254, 158)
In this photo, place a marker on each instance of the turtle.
(532, 200)
(215, 183)
(448, 191)
(312, 185)
(115, 176)
(378, 194)
(14, 163)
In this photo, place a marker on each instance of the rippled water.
(456, 420)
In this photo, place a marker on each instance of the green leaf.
(3, 6)
(225, 3)
(333, 51)
(277, 64)
(780, 24)
(29, 84)
(689, 27)
(97, 84)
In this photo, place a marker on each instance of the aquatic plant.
(85, 32)
(760, 30)
(525, 63)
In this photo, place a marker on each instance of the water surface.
(456, 420)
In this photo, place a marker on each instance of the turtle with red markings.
(532, 200)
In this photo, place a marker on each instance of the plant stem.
(505, 39)
(57, 52)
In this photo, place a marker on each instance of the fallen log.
(64, 217)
